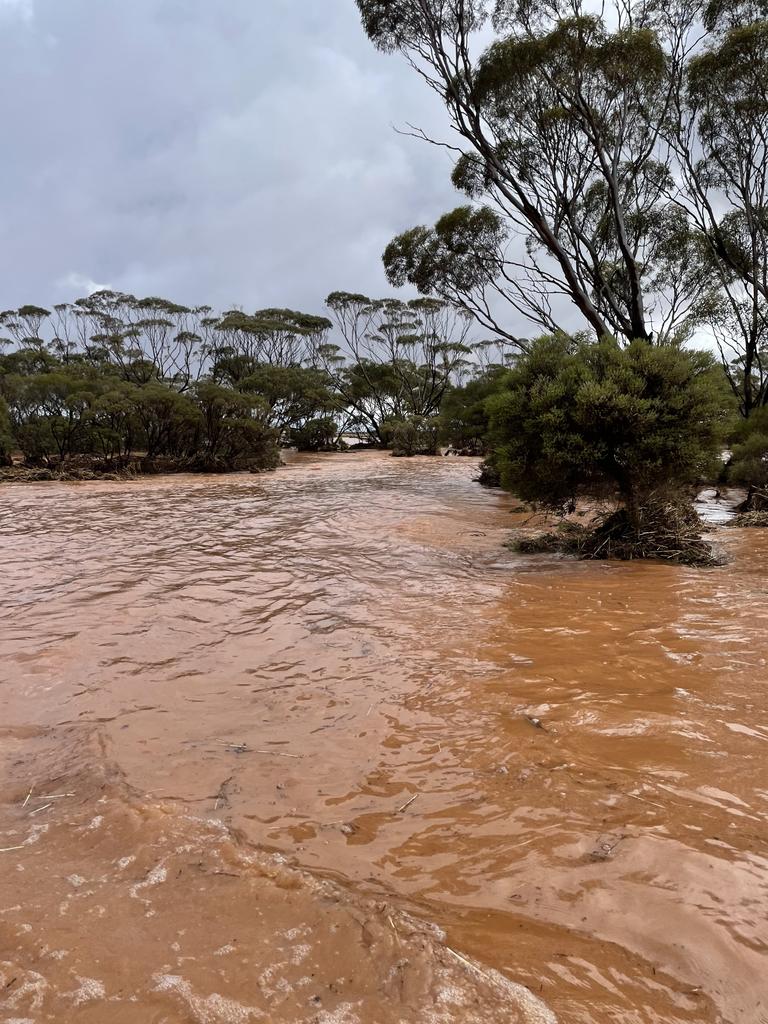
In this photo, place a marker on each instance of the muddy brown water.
(315, 746)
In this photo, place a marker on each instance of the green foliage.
(464, 417)
(457, 256)
(291, 395)
(418, 435)
(749, 462)
(315, 435)
(121, 377)
(6, 437)
(233, 436)
(400, 358)
(577, 418)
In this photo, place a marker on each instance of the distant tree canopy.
(396, 359)
(112, 375)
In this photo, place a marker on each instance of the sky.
(239, 152)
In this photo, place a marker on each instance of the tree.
(272, 337)
(559, 122)
(112, 375)
(315, 435)
(749, 460)
(291, 395)
(464, 420)
(234, 435)
(398, 358)
(718, 129)
(576, 419)
(418, 435)
(7, 443)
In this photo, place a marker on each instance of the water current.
(315, 746)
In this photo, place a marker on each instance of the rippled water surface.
(559, 764)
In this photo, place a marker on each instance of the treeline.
(154, 384)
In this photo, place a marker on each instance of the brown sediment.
(116, 909)
(561, 764)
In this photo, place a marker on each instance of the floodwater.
(315, 746)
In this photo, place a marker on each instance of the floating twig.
(38, 809)
(407, 804)
(469, 964)
(281, 686)
(7, 849)
(536, 723)
(29, 794)
(278, 753)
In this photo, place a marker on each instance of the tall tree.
(559, 123)
(718, 130)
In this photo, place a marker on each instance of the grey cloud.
(238, 152)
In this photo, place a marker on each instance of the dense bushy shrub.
(749, 462)
(418, 435)
(576, 418)
(315, 435)
(464, 413)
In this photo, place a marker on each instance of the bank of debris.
(756, 518)
(668, 531)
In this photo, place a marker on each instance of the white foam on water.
(300, 954)
(212, 1009)
(156, 876)
(222, 950)
(30, 990)
(344, 1014)
(88, 990)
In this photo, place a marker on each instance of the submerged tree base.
(667, 531)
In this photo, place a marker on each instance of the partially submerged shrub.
(315, 435)
(749, 462)
(418, 435)
(634, 425)
(664, 530)
(576, 418)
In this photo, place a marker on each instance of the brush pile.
(755, 518)
(668, 531)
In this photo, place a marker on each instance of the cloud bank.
(220, 153)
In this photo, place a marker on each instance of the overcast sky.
(218, 151)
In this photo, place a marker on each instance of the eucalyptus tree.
(24, 325)
(559, 146)
(718, 131)
(273, 337)
(397, 358)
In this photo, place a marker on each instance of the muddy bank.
(561, 764)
